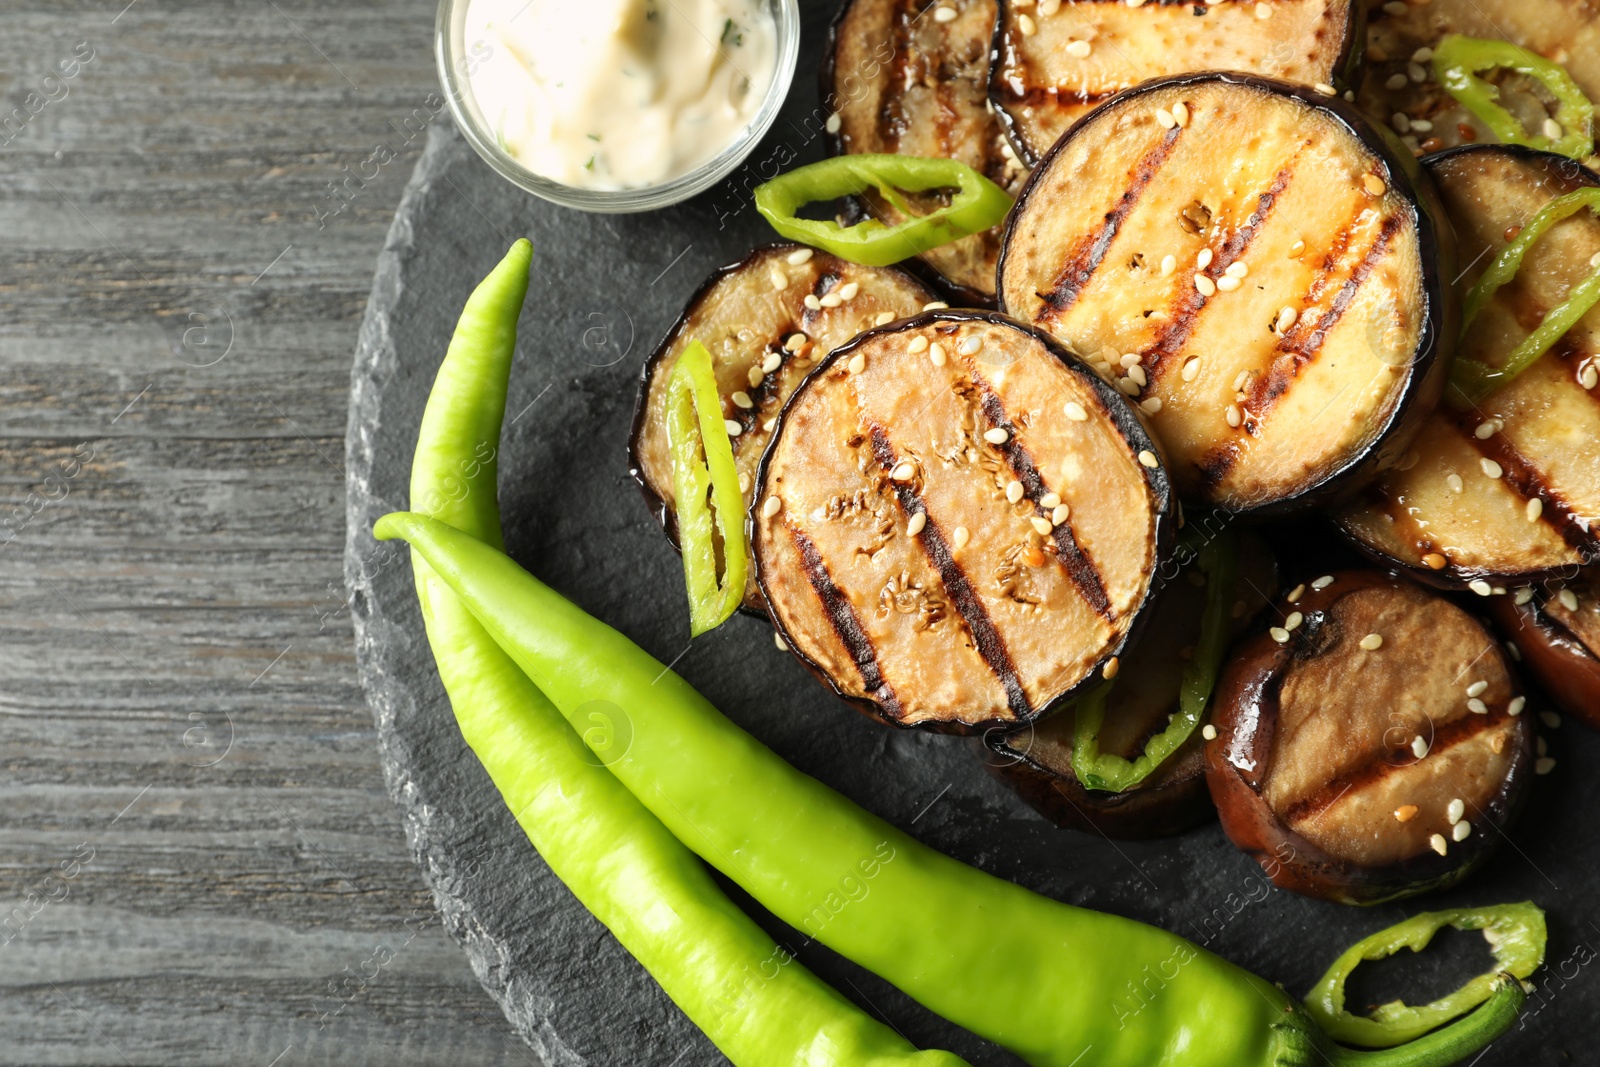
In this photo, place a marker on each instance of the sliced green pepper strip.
(702, 466)
(977, 205)
(1457, 61)
(1475, 379)
(1516, 936)
(1219, 560)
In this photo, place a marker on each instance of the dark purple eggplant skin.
(1436, 238)
(1347, 77)
(1245, 711)
(1128, 424)
(1557, 658)
(1454, 578)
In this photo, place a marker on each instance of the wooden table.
(198, 859)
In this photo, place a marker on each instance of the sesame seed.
(1150, 405)
(1419, 746)
(1128, 386)
(1550, 719)
(883, 318)
(1227, 283)
(771, 508)
(1296, 593)
(1129, 360)
(1374, 184)
(800, 255)
(1589, 377)
(961, 536)
(1060, 514)
(744, 482)
(1026, 25)
(1418, 73)
(1322, 583)
(1241, 380)
(944, 14)
(1279, 634)
(1238, 269)
(1476, 689)
(1203, 260)
(1421, 126)
(1460, 831)
(1206, 286)
(831, 300)
(1325, 89)
(1401, 122)
(1109, 671)
(1292, 623)
(936, 354)
(1014, 491)
(1486, 429)
(1405, 813)
(1049, 500)
(1490, 467)
(1079, 49)
(1372, 642)
(1168, 265)
(1477, 707)
(915, 524)
(780, 280)
(996, 436)
(1481, 587)
(1208, 732)
(1136, 3)
(774, 361)
(1543, 765)
(742, 399)
(1148, 458)
(969, 346)
(1516, 705)
(1453, 480)
(1455, 810)
(858, 363)
(1514, 652)
(834, 123)
(1297, 250)
(754, 376)
(1438, 844)
(812, 303)
(918, 344)
(1137, 373)
(1041, 525)
(1075, 412)
(1569, 599)
(1164, 117)
(1396, 81)
(1180, 113)
(1394, 7)
(1524, 595)
(1286, 319)
(934, 305)
(1233, 415)
(848, 290)
(1263, 11)
(777, 639)
(734, 429)
(1422, 55)
(1191, 368)
(904, 472)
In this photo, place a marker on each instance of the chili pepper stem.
(1451, 1044)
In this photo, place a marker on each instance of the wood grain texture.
(172, 309)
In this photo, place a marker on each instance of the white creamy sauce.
(617, 94)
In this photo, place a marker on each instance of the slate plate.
(605, 291)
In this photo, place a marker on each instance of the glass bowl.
(450, 57)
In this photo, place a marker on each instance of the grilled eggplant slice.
(1037, 760)
(902, 80)
(1504, 490)
(763, 339)
(958, 523)
(1268, 263)
(1371, 745)
(1556, 631)
(1399, 85)
(1055, 62)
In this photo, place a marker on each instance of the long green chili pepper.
(1516, 936)
(1218, 559)
(1056, 984)
(749, 995)
(702, 466)
(1457, 60)
(1473, 379)
(978, 204)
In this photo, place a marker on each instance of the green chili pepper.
(1457, 61)
(1219, 560)
(749, 995)
(1516, 936)
(1475, 379)
(702, 465)
(977, 205)
(1056, 984)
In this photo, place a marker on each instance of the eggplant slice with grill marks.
(1257, 267)
(1398, 82)
(1051, 69)
(1508, 489)
(767, 321)
(1556, 631)
(958, 524)
(1372, 744)
(901, 80)
(1036, 760)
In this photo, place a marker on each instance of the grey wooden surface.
(198, 859)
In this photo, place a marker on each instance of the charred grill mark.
(1038, 95)
(1080, 268)
(1182, 320)
(985, 637)
(1525, 479)
(1079, 567)
(846, 625)
(891, 115)
(1377, 768)
(826, 280)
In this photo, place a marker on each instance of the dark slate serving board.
(604, 292)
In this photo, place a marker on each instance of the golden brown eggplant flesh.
(767, 321)
(1555, 629)
(957, 524)
(1055, 62)
(1372, 744)
(900, 79)
(1504, 490)
(1036, 760)
(1399, 86)
(1258, 268)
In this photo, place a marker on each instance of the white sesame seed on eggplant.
(1555, 628)
(900, 81)
(1271, 272)
(1036, 760)
(763, 340)
(1399, 78)
(1375, 751)
(1505, 490)
(961, 594)
(1051, 69)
